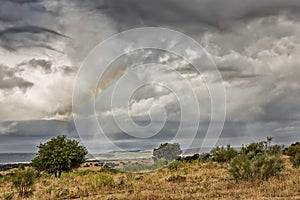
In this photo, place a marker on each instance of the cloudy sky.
(254, 43)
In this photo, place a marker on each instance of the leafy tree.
(58, 155)
(167, 151)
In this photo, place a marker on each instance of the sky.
(254, 43)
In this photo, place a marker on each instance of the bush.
(276, 149)
(256, 162)
(296, 160)
(194, 158)
(101, 180)
(253, 149)
(23, 181)
(59, 155)
(223, 154)
(262, 166)
(262, 147)
(293, 152)
(175, 165)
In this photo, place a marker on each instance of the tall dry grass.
(198, 180)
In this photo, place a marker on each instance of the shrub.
(59, 155)
(276, 149)
(256, 162)
(194, 158)
(262, 147)
(296, 160)
(223, 154)
(167, 151)
(240, 167)
(175, 165)
(253, 149)
(101, 180)
(23, 181)
(293, 152)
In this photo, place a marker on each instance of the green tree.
(167, 151)
(58, 155)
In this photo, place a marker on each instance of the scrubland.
(195, 180)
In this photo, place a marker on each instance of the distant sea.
(6, 158)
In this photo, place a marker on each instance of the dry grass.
(192, 181)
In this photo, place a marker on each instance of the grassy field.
(197, 180)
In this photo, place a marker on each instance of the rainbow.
(106, 83)
(113, 78)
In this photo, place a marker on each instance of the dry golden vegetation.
(197, 180)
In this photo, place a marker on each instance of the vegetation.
(203, 180)
(223, 154)
(100, 180)
(294, 152)
(256, 172)
(256, 161)
(23, 181)
(261, 166)
(175, 165)
(167, 151)
(59, 155)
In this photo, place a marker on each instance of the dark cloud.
(176, 13)
(67, 69)
(44, 65)
(27, 29)
(37, 128)
(25, 1)
(27, 37)
(18, 11)
(255, 44)
(28, 24)
(9, 79)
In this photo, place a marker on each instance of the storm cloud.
(254, 43)
(9, 80)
